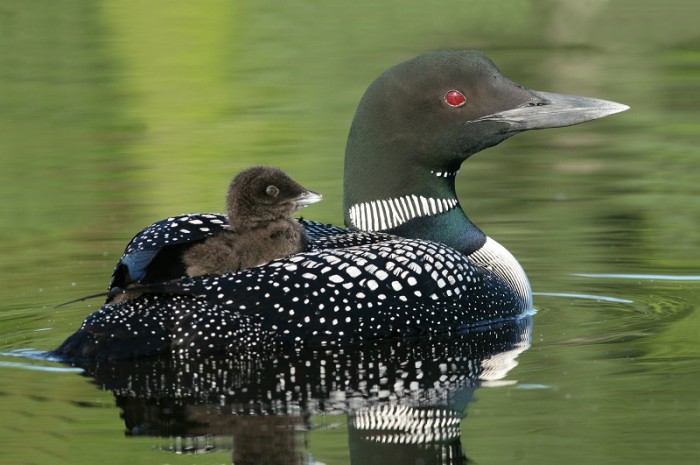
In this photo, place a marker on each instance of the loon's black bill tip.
(552, 110)
(307, 198)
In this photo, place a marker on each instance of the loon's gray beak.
(550, 110)
(307, 198)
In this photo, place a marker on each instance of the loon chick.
(411, 262)
(201, 244)
(259, 203)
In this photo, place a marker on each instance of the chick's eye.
(272, 191)
(455, 98)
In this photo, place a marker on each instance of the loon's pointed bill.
(552, 110)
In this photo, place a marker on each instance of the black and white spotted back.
(348, 287)
(171, 232)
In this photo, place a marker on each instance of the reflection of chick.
(259, 204)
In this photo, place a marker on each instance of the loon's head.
(261, 194)
(418, 122)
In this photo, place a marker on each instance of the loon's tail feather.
(177, 287)
(86, 297)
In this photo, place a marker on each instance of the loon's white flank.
(496, 258)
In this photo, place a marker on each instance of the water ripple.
(601, 298)
(650, 277)
(29, 366)
(37, 355)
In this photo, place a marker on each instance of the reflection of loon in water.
(404, 399)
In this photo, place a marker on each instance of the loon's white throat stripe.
(380, 215)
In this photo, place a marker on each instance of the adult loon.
(410, 262)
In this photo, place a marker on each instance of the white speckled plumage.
(176, 230)
(349, 286)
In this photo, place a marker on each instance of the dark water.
(117, 114)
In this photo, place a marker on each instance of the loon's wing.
(151, 245)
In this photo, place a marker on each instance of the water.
(117, 114)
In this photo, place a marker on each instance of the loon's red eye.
(455, 98)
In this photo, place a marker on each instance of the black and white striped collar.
(384, 214)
